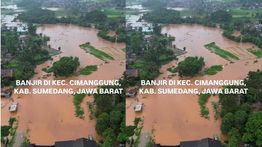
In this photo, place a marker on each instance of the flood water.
(50, 118)
(175, 118)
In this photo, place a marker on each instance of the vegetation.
(66, 66)
(151, 55)
(4, 131)
(257, 53)
(190, 66)
(119, 37)
(48, 70)
(220, 16)
(241, 118)
(203, 98)
(163, 16)
(91, 109)
(109, 112)
(151, 142)
(97, 53)
(38, 15)
(25, 143)
(172, 69)
(88, 69)
(216, 109)
(24, 55)
(213, 69)
(222, 53)
(253, 129)
(9, 130)
(78, 98)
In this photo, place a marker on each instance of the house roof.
(82, 142)
(132, 72)
(7, 72)
(207, 142)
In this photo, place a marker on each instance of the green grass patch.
(202, 100)
(239, 12)
(257, 53)
(216, 109)
(78, 98)
(213, 69)
(88, 69)
(97, 53)
(91, 109)
(222, 53)
(114, 13)
(138, 64)
(172, 69)
(48, 70)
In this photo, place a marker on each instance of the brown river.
(50, 118)
(175, 118)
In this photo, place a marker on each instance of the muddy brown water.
(175, 118)
(50, 118)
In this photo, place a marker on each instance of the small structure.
(138, 107)
(206, 142)
(13, 107)
(6, 93)
(131, 92)
(7, 73)
(133, 73)
(81, 142)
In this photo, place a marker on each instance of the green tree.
(253, 129)
(115, 119)
(31, 29)
(190, 66)
(102, 123)
(254, 84)
(234, 138)
(109, 137)
(240, 118)
(66, 66)
(103, 102)
(221, 16)
(227, 123)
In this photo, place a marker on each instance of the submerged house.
(6, 93)
(7, 73)
(138, 107)
(206, 142)
(131, 92)
(133, 73)
(82, 142)
(13, 107)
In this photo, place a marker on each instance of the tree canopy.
(190, 66)
(66, 66)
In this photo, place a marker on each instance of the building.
(206, 142)
(138, 107)
(82, 142)
(7, 73)
(13, 107)
(133, 73)
(131, 92)
(6, 93)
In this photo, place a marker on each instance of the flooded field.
(175, 118)
(50, 118)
